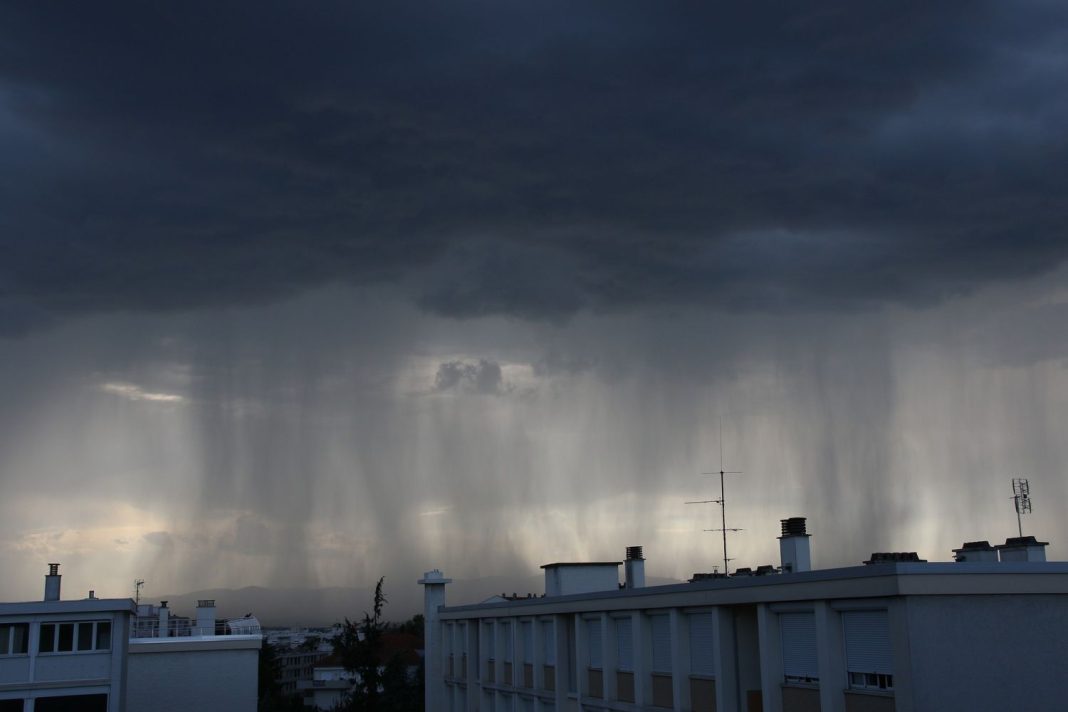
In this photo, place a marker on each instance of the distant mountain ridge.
(315, 607)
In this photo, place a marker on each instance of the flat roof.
(872, 581)
(85, 605)
(581, 563)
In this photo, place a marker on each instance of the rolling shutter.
(506, 641)
(593, 642)
(528, 641)
(661, 629)
(798, 632)
(867, 642)
(624, 645)
(548, 641)
(702, 643)
(490, 642)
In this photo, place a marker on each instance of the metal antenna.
(137, 591)
(722, 502)
(1021, 498)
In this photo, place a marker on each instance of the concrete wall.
(204, 680)
(993, 653)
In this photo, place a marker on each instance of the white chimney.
(793, 546)
(164, 620)
(206, 617)
(1022, 548)
(52, 583)
(634, 567)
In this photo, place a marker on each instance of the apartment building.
(986, 631)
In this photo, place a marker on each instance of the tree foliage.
(381, 683)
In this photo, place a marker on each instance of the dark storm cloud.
(482, 377)
(530, 159)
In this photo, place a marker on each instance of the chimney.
(206, 617)
(793, 546)
(1022, 548)
(164, 620)
(92, 595)
(52, 583)
(974, 552)
(634, 567)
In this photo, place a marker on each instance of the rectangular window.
(702, 644)
(103, 635)
(798, 633)
(85, 636)
(661, 628)
(868, 657)
(48, 638)
(13, 637)
(70, 637)
(66, 638)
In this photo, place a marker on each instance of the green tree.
(380, 684)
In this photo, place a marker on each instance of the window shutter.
(490, 642)
(661, 643)
(549, 642)
(702, 644)
(624, 645)
(593, 642)
(528, 641)
(867, 640)
(506, 641)
(798, 631)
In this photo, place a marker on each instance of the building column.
(897, 615)
(642, 630)
(433, 583)
(609, 655)
(830, 656)
(561, 623)
(727, 693)
(474, 687)
(771, 670)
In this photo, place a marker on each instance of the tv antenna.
(137, 591)
(722, 502)
(1021, 498)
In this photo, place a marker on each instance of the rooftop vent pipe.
(634, 567)
(794, 551)
(52, 580)
(164, 620)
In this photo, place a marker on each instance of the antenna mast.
(137, 591)
(722, 502)
(1021, 498)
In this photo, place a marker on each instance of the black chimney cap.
(634, 553)
(893, 557)
(794, 526)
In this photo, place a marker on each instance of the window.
(798, 632)
(13, 638)
(70, 637)
(867, 643)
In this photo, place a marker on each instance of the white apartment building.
(987, 632)
(98, 655)
(64, 656)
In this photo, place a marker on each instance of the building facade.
(894, 634)
(64, 656)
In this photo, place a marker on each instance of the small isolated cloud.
(160, 539)
(133, 392)
(482, 378)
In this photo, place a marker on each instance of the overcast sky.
(308, 293)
